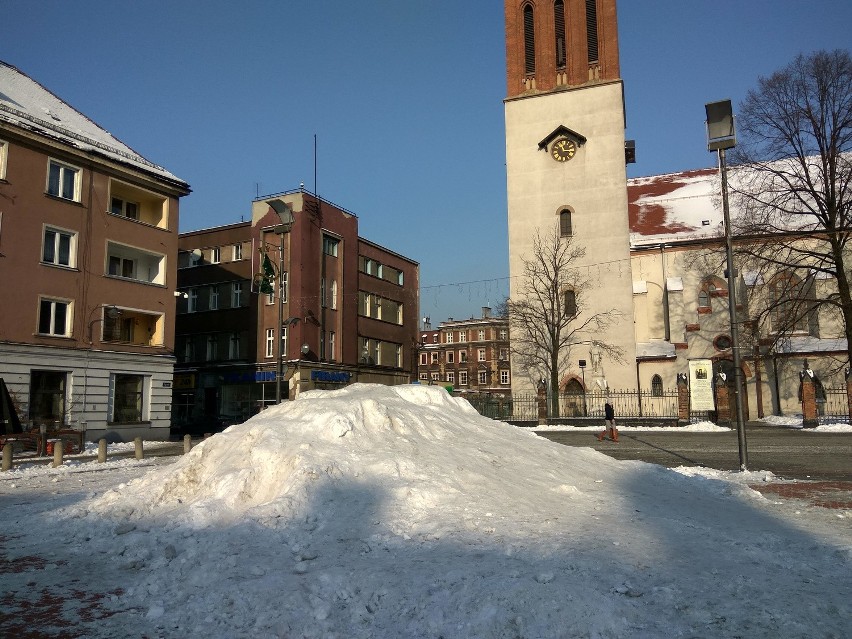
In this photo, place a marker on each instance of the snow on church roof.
(674, 207)
(27, 104)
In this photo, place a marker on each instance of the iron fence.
(832, 405)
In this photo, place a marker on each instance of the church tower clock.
(565, 165)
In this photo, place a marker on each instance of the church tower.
(565, 163)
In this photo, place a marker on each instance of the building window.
(434, 358)
(449, 335)
(215, 255)
(127, 398)
(63, 181)
(236, 294)
(195, 258)
(504, 377)
(212, 348)
(529, 41)
(192, 300)
(47, 397)
(214, 298)
(237, 253)
(121, 267)
(451, 377)
(703, 298)
(570, 303)
(235, 346)
(657, 386)
(504, 334)
(450, 357)
(592, 29)
(424, 359)
(481, 336)
(59, 247)
(480, 354)
(330, 245)
(462, 336)
(435, 338)
(462, 378)
(788, 304)
(334, 294)
(4, 155)
(124, 208)
(53, 318)
(565, 229)
(270, 342)
(483, 378)
(504, 354)
(332, 339)
(188, 349)
(436, 377)
(462, 357)
(559, 22)
(424, 376)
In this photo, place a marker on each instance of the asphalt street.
(787, 453)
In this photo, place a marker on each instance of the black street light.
(721, 136)
(285, 214)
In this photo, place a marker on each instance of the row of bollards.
(139, 450)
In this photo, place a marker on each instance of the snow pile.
(400, 512)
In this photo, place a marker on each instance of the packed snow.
(378, 511)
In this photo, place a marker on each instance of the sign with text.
(701, 385)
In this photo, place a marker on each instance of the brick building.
(88, 232)
(470, 355)
(348, 310)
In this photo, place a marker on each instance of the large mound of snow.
(399, 512)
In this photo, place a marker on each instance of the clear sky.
(404, 98)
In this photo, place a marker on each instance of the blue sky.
(404, 98)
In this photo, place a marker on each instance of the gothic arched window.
(565, 228)
(657, 386)
(529, 40)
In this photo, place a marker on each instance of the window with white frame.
(449, 338)
(235, 346)
(330, 245)
(215, 255)
(434, 358)
(462, 357)
(214, 297)
(334, 294)
(60, 247)
(436, 377)
(435, 338)
(504, 354)
(504, 334)
(212, 348)
(462, 336)
(236, 294)
(450, 357)
(504, 377)
(270, 342)
(237, 253)
(462, 378)
(480, 354)
(63, 180)
(424, 359)
(424, 376)
(481, 336)
(451, 377)
(54, 317)
(483, 378)
(332, 346)
(192, 300)
(4, 155)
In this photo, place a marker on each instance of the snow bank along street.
(378, 511)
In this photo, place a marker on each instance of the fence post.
(7, 456)
(809, 410)
(137, 444)
(542, 402)
(723, 401)
(57, 453)
(682, 398)
(102, 450)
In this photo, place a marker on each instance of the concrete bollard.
(140, 453)
(102, 450)
(187, 444)
(7, 457)
(57, 453)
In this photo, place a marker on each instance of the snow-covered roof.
(28, 105)
(658, 349)
(674, 207)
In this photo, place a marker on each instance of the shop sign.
(335, 377)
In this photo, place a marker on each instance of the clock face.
(563, 150)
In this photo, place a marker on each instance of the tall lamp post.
(285, 214)
(720, 137)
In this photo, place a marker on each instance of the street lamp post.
(720, 137)
(285, 214)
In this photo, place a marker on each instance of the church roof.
(28, 105)
(675, 207)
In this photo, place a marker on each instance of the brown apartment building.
(88, 233)
(347, 311)
(470, 355)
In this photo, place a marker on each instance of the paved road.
(788, 453)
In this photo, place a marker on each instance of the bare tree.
(793, 189)
(549, 315)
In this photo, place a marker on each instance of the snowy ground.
(400, 512)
